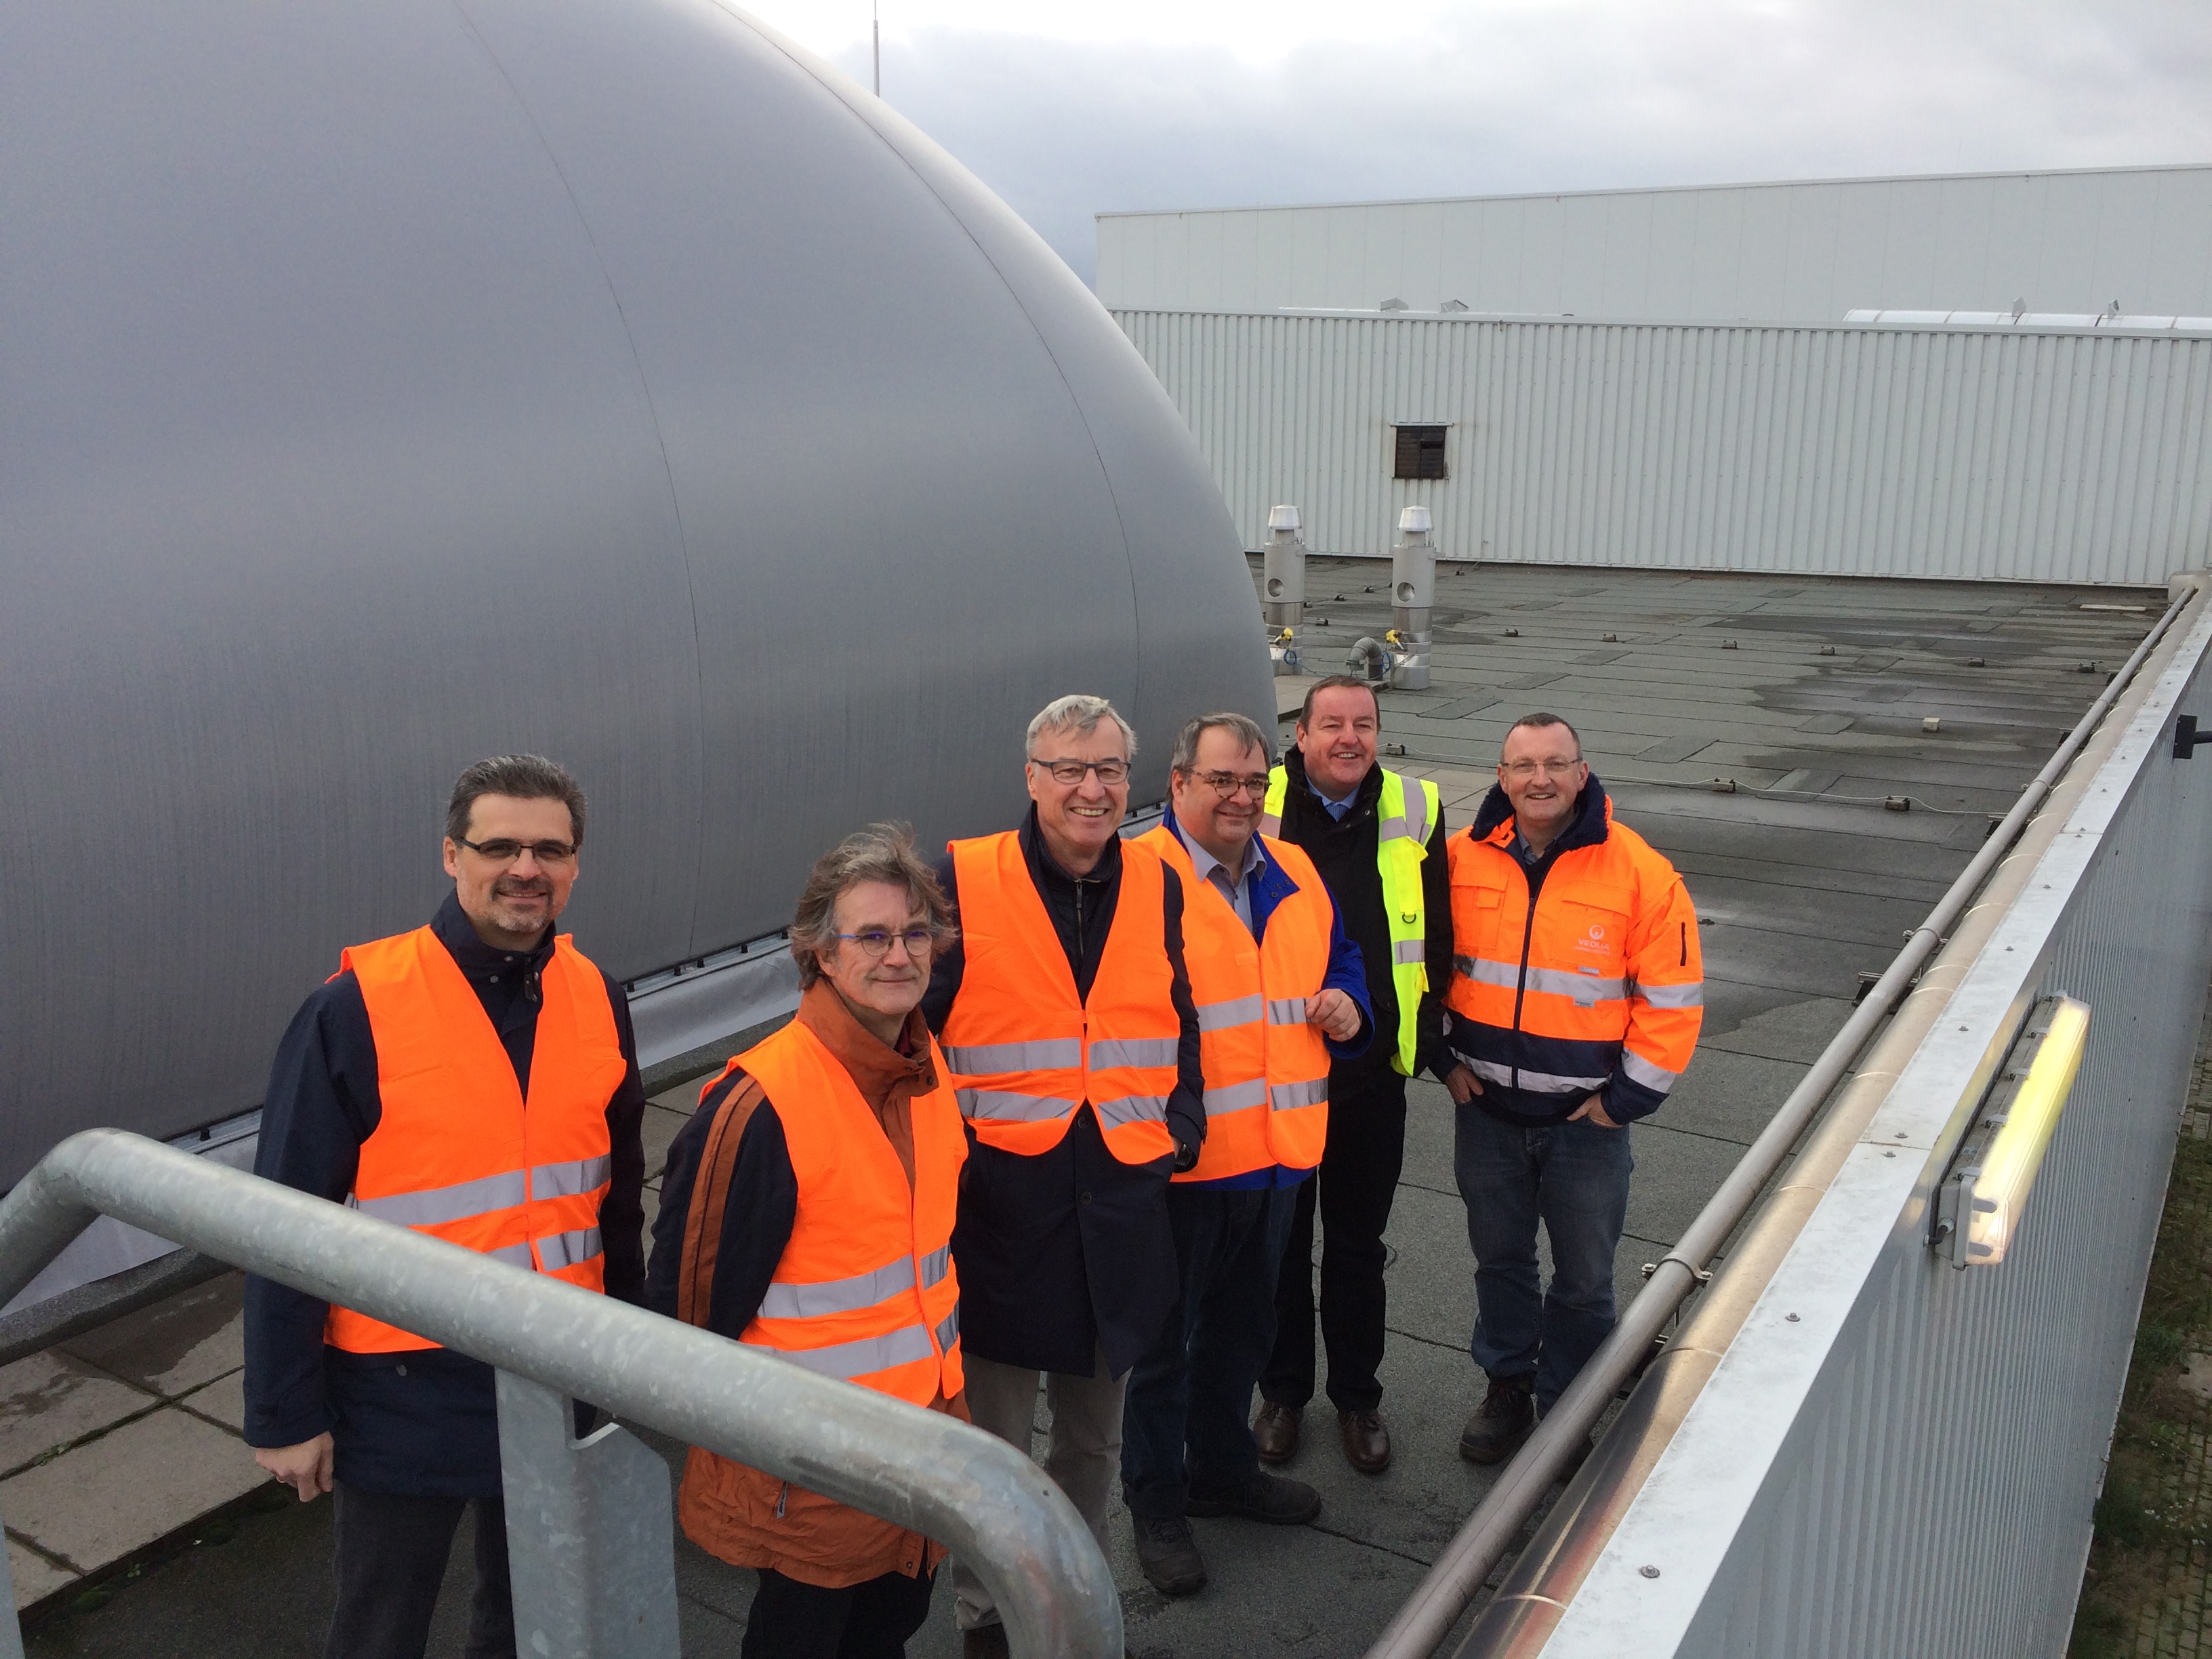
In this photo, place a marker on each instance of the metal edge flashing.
(1642, 1587)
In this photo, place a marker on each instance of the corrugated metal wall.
(1897, 1458)
(1800, 251)
(1841, 450)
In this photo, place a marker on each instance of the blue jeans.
(1193, 1387)
(1573, 1178)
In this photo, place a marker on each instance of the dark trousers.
(1573, 1178)
(1357, 1179)
(391, 1554)
(1193, 1388)
(868, 1620)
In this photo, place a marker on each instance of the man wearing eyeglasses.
(1575, 997)
(476, 1080)
(1065, 1015)
(1378, 838)
(1281, 993)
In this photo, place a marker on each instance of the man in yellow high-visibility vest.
(1377, 839)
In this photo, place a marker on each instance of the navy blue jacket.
(1069, 1251)
(1267, 886)
(422, 1423)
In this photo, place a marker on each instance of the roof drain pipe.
(1283, 582)
(1521, 1617)
(1413, 595)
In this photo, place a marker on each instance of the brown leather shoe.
(1366, 1441)
(1276, 1429)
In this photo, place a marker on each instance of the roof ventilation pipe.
(1412, 593)
(1283, 584)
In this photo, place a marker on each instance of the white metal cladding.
(1844, 450)
(1792, 252)
(1908, 1466)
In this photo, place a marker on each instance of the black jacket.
(422, 1423)
(1069, 1251)
(1345, 856)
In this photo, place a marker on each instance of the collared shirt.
(1337, 809)
(1237, 888)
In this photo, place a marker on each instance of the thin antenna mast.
(876, 28)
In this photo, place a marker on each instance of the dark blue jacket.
(422, 1423)
(1267, 886)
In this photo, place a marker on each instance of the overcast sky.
(1075, 109)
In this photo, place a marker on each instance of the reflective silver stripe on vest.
(432, 1206)
(1638, 1069)
(515, 1256)
(1481, 972)
(1236, 1098)
(1044, 1054)
(1409, 952)
(1392, 829)
(846, 1360)
(1585, 988)
(1012, 1108)
(1237, 1010)
(788, 1300)
(1417, 807)
(1289, 1096)
(567, 1249)
(1133, 1051)
(569, 1179)
(1692, 995)
(1287, 1011)
(1536, 1083)
(1131, 1108)
(949, 1331)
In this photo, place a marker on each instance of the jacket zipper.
(1521, 989)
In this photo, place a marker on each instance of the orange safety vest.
(866, 1290)
(1025, 1051)
(1605, 974)
(1267, 1070)
(457, 1154)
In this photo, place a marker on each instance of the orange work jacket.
(1603, 976)
(1023, 1050)
(457, 1153)
(1267, 1070)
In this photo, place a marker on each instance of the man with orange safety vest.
(806, 1212)
(1281, 991)
(1067, 1025)
(1576, 992)
(476, 1080)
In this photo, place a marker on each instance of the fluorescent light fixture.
(1982, 1199)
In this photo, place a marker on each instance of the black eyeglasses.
(503, 851)
(1111, 771)
(875, 944)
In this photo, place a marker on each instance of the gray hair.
(881, 852)
(1077, 713)
(1539, 722)
(1243, 728)
(523, 777)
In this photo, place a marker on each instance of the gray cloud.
(1534, 97)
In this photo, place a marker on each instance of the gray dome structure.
(387, 384)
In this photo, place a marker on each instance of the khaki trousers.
(1084, 1456)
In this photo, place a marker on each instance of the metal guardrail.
(1425, 1620)
(590, 1533)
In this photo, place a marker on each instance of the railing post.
(589, 1549)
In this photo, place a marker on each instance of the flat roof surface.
(1803, 881)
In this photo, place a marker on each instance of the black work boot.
(1504, 1419)
(1276, 1499)
(1169, 1554)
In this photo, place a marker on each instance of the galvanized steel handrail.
(923, 1470)
(1427, 1618)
